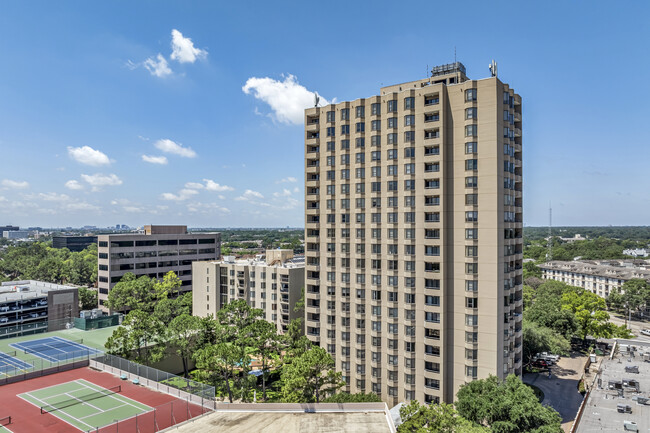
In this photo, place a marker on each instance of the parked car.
(548, 357)
(540, 363)
(646, 332)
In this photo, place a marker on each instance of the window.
(431, 117)
(392, 122)
(432, 317)
(431, 150)
(431, 200)
(360, 173)
(471, 268)
(392, 138)
(432, 300)
(345, 159)
(392, 184)
(471, 130)
(409, 120)
(471, 337)
(471, 302)
(360, 127)
(375, 172)
(432, 233)
(375, 140)
(360, 142)
(345, 114)
(345, 174)
(471, 233)
(409, 152)
(470, 113)
(471, 354)
(345, 129)
(431, 167)
(471, 216)
(471, 319)
(375, 109)
(409, 103)
(345, 144)
(471, 285)
(471, 147)
(471, 251)
(392, 106)
(392, 154)
(431, 250)
(360, 188)
(470, 95)
(375, 125)
(471, 164)
(471, 371)
(330, 116)
(330, 131)
(431, 183)
(409, 168)
(361, 111)
(431, 100)
(471, 199)
(409, 136)
(471, 182)
(345, 188)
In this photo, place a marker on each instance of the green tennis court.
(84, 404)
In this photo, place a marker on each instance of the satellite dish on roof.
(316, 99)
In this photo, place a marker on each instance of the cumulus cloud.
(194, 185)
(249, 195)
(152, 159)
(168, 146)
(207, 208)
(211, 185)
(158, 66)
(285, 193)
(74, 185)
(88, 156)
(183, 49)
(183, 194)
(99, 180)
(81, 206)
(289, 179)
(287, 99)
(52, 196)
(15, 184)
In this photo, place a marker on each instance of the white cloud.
(194, 185)
(52, 196)
(168, 146)
(183, 49)
(211, 185)
(77, 206)
(152, 159)
(285, 193)
(74, 185)
(88, 156)
(133, 209)
(289, 179)
(99, 180)
(249, 195)
(287, 98)
(296, 189)
(15, 184)
(157, 67)
(207, 208)
(183, 194)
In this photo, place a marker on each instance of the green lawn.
(84, 404)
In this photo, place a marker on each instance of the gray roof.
(622, 270)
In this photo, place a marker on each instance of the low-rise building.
(28, 307)
(597, 277)
(15, 234)
(154, 252)
(73, 243)
(273, 282)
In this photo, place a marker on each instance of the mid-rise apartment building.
(599, 277)
(154, 252)
(272, 282)
(413, 235)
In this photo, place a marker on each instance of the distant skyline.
(191, 112)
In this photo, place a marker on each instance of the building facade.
(600, 278)
(413, 235)
(272, 282)
(30, 307)
(156, 251)
(73, 243)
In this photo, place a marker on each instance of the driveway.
(561, 390)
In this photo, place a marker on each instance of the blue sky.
(189, 112)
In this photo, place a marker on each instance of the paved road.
(635, 325)
(561, 390)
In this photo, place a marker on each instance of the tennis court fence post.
(188, 408)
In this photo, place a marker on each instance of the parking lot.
(561, 389)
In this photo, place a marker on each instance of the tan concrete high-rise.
(413, 235)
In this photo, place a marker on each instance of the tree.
(507, 406)
(546, 309)
(138, 338)
(87, 298)
(168, 308)
(538, 338)
(131, 293)
(266, 343)
(309, 376)
(182, 335)
(168, 287)
(532, 270)
(635, 294)
(345, 397)
(434, 418)
(589, 311)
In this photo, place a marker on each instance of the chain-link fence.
(157, 419)
(17, 370)
(186, 389)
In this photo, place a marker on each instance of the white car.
(646, 332)
(548, 357)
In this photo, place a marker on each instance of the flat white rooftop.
(11, 291)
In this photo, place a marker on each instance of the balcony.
(517, 117)
(517, 132)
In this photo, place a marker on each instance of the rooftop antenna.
(549, 254)
(316, 99)
(493, 68)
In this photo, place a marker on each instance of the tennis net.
(5, 421)
(81, 399)
(55, 345)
